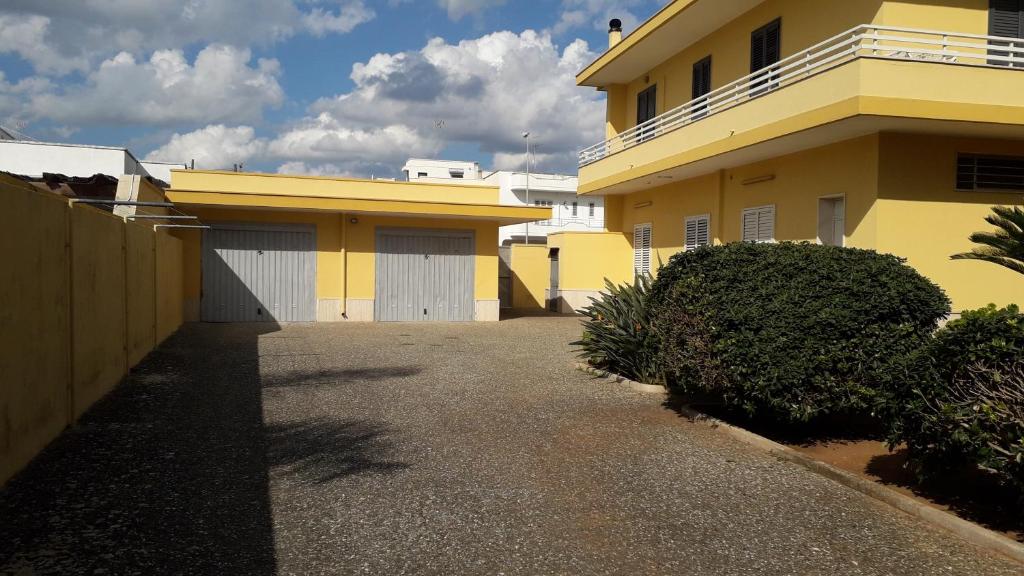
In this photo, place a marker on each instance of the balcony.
(869, 71)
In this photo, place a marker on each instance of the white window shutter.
(766, 224)
(750, 225)
(698, 232)
(642, 248)
(759, 224)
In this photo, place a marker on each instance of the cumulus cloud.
(327, 169)
(61, 36)
(213, 147)
(221, 85)
(484, 91)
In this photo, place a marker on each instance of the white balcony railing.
(865, 41)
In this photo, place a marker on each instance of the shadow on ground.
(169, 474)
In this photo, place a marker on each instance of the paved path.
(427, 449)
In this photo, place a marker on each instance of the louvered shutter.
(759, 224)
(765, 51)
(701, 83)
(698, 232)
(642, 248)
(1005, 19)
(766, 224)
(757, 49)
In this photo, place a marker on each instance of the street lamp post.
(526, 136)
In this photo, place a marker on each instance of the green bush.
(788, 331)
(962, 399)
(617, 334)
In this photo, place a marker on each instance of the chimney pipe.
(614, 32)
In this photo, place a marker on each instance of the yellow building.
(299, 248)
(886, 125)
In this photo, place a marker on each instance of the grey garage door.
(424, 275)
(259, 274)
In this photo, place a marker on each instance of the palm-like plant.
(1004, 246)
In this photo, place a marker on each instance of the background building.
(555, 191)
(31, 158)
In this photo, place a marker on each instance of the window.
(765, 52)
(574, 207)
(759, 224)
(591, 213)
(642, 249)
(646, 106)
(456, 173)
(976, 172)
(701, 85)
(1006, 19)
(421, 174)
(698, 232)
(832, 221)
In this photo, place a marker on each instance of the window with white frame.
(832, 221)
(642, 249)
(698, 232)
(759, 224)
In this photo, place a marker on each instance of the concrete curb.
(969, 531)
(624, 382)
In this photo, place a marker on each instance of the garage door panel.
(424, 275)
(253, 274)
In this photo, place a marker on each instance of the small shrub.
(617, 334)
(790, 331)
(962, 400)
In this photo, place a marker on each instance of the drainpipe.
(344, 266)
(614, 32)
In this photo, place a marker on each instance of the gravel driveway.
(427, 449)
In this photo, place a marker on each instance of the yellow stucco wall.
(848, 169)
(35, 314)
(587, 258)
(323, 187)
(922, 217)
(69, 324)
(792, 183)
(140, 262)
(98, 300)
(169, 285)
(666, 208)
(531, 276)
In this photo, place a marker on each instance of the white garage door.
(259, 274)
(424, 275)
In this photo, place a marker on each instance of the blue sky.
(309, 86)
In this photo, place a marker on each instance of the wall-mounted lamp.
(759, 179)
(647, 204)
(353, 220)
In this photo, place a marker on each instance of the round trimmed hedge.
(960, 400)
(790, 331)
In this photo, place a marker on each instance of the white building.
(569, 212)
(31, 158)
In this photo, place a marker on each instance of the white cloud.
(320, 22)
(313, 169)
(27, 36)
(597, 13)
(212, 147)
(61, 36)
(485, 91)
(219, 86)
(457, 9)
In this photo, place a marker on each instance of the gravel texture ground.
(427, 449)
